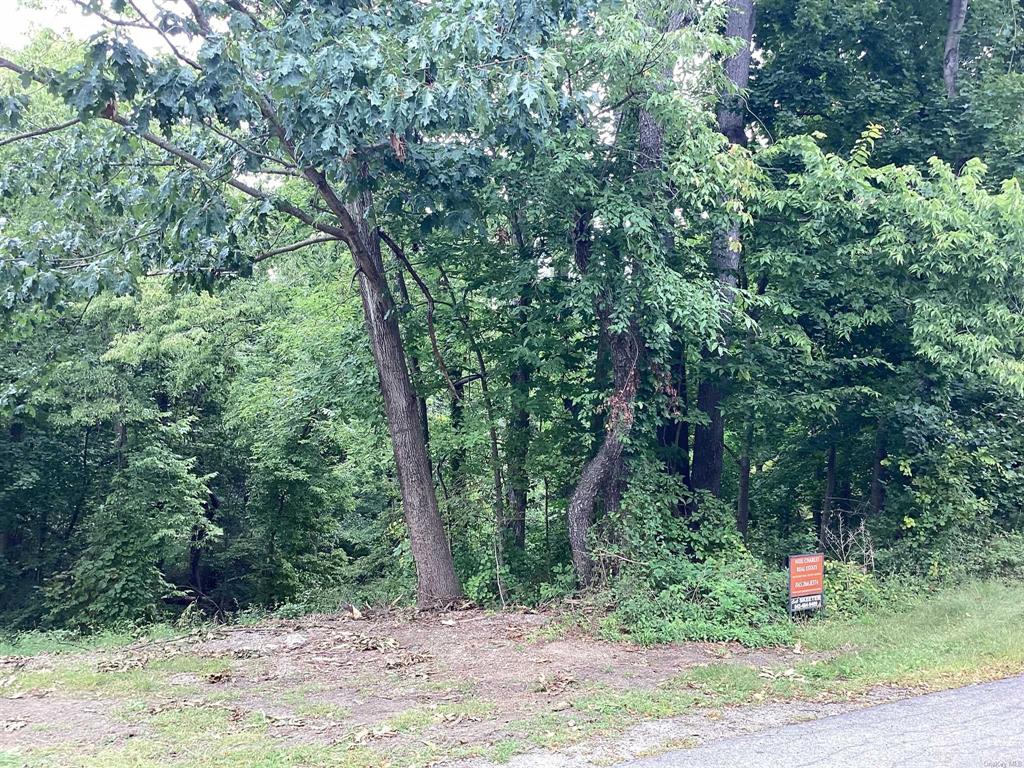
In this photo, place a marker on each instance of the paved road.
(981, 726)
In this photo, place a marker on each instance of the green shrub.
(153, 507)
(961, 553)
(677, 600)
(562, 582)
(336, 597)
(849, 590)
(1005, 556)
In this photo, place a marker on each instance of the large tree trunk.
(437, 584)
(951, 52)
(604, 470)
(607, 462)
(414, 361)
(738, 24)
(436, 581)
(709, 439)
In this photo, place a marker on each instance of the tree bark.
(877, 471)
(607, 464)
(437, 583)
(732, 125)
(743, 497)
(739, 24)
(607, 469)
(623, 349)
(709, 439)
(517, 446)
(825, 515)
(951, 52)
(516, 454)
(674, 432)
(414, 361)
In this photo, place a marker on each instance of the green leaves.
(11, 110)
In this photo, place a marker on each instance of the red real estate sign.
(806, 582)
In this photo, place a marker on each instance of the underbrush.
(672, 601)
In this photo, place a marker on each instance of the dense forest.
(310, 302)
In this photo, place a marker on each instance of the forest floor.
(471, 688)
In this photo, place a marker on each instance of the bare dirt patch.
(501, 655)
(462, 683)
(34, 721)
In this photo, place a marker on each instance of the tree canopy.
(494, 301)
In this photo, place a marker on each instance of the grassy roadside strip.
(951, 638)
(955, 637)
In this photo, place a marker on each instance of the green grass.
(82, 678)
(418, 719)
(61, 641)
(505, 750)
(241, 750)
(248, 748)
(444, 685)
(954, 637)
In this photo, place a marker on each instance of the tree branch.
(8, 64)
(164, 35)
(237, 6)
(39, 132)
(294, 247)
(318, 180)
(200, 17)
(109, 19)
(261, 257)
(346, 235)
(431, 330)
(467, 379)
(282, 205)
(237, 142)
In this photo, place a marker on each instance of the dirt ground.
(469, 683)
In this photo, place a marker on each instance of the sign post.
(806, 582)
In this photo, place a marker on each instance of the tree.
(709, 438)
(951, 52)
(319, 299)
(622, 238)
(270, 95)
